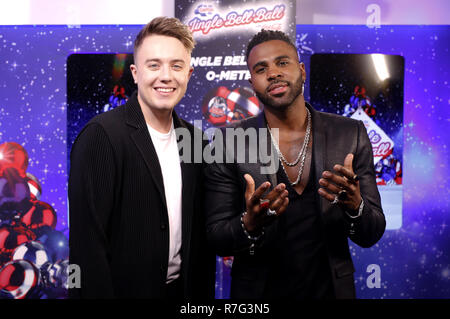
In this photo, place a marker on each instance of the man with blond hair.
(136, 219)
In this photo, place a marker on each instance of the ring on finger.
(264, 204)
(335, 200)
(271, 212)
(342, 195)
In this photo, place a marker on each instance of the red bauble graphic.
(18, 279)
(39, 215)
(10, 238)
(13, 155)
(222, 106)
(14, 190)
(34, 186)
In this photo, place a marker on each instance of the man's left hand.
(342, 186)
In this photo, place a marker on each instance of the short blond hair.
(171, 27)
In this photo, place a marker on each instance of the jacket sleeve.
(367, 229)
(91, 197)
(224, 204)
(204, 265)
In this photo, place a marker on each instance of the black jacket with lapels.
(333, 138)
(119, 227)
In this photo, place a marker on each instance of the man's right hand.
(256, 217)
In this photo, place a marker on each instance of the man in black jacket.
(288, 227)
(136, 221)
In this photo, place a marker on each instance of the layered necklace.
(301, 155)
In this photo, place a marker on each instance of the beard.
(285, 100)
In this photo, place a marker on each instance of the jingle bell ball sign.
(267, 17)
(382, 144)
(219, 86)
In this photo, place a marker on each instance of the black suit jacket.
(333, 138)
(119, 227)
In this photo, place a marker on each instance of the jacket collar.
(319, 151)
(319, 148)
(135, 117)
(141, 138)
(318, 141)
(143, 142)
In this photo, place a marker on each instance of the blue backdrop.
(414, 260)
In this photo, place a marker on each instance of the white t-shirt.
(169, 159)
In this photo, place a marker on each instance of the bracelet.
(252, 238)
(360, 210)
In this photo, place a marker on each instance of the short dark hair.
(268, 35)
(171, 27)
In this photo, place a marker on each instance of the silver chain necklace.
(301, 155)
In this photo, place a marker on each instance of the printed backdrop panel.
(219, 84)
(369, 88)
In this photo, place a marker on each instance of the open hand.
(257, 216)
(342, 186)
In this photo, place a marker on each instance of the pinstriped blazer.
(119, 227)
(334, 137)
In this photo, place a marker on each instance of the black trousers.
(174, 290)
